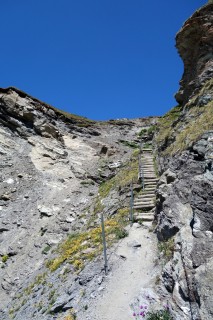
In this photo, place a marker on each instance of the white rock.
(9, 181)
(45, 211)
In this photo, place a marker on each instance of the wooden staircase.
(144, 203)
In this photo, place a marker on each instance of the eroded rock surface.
(184, 147)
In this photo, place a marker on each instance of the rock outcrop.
(184, 147)
(195, 46)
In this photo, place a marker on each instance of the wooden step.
(149, 217)
(146, 161)
(149, 189)
(150, 185)
(149, 196)
(142, 195)
(147, 172)
(149, 176)
(148, 201)
(144, 206)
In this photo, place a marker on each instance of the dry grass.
(201, 122)
(179, 129)
(75, 251)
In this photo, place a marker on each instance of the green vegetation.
(87, 182)
(98, 207)
(151, 129)
(147, 145)
(4, 258)
(179, 129)
(46, 249)
(106, 187)
(70, 316)
(130, 144)
(23, 297)
(84, 246)
(167, 248)
(120, 233)
(159, 315)
(142, 132)
(165, 126)
(40, 279)
(147, 131)
(123, 178)
(201, 120)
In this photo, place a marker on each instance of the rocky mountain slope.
(53, 169)
(184, 147)
(59, 172)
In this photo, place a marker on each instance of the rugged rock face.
(52, 165)
(195, 46)
(184, 147)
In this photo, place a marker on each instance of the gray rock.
(45, 211)
(60, 303)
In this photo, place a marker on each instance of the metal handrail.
(104, 244)
(131, 213)
(141, 172)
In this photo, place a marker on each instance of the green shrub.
(46, 249)
(167, 248)
(151, 129)
(120, 233)
(142, 132)
(159, 315)
(129, 144)
(4, 258)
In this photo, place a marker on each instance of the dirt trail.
(127, 276)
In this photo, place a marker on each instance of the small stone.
(136, 225)
(134, 244)
(9, 181)
(5, 197)
(88, 250)
(100, 280)
(45, 211)
(70, 219)
(100, 289)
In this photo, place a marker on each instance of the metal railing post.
(104, 244)
(131, 203)
(141, 173)
(142, 176)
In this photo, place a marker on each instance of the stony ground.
(132, 267)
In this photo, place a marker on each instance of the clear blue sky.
(101, 59)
